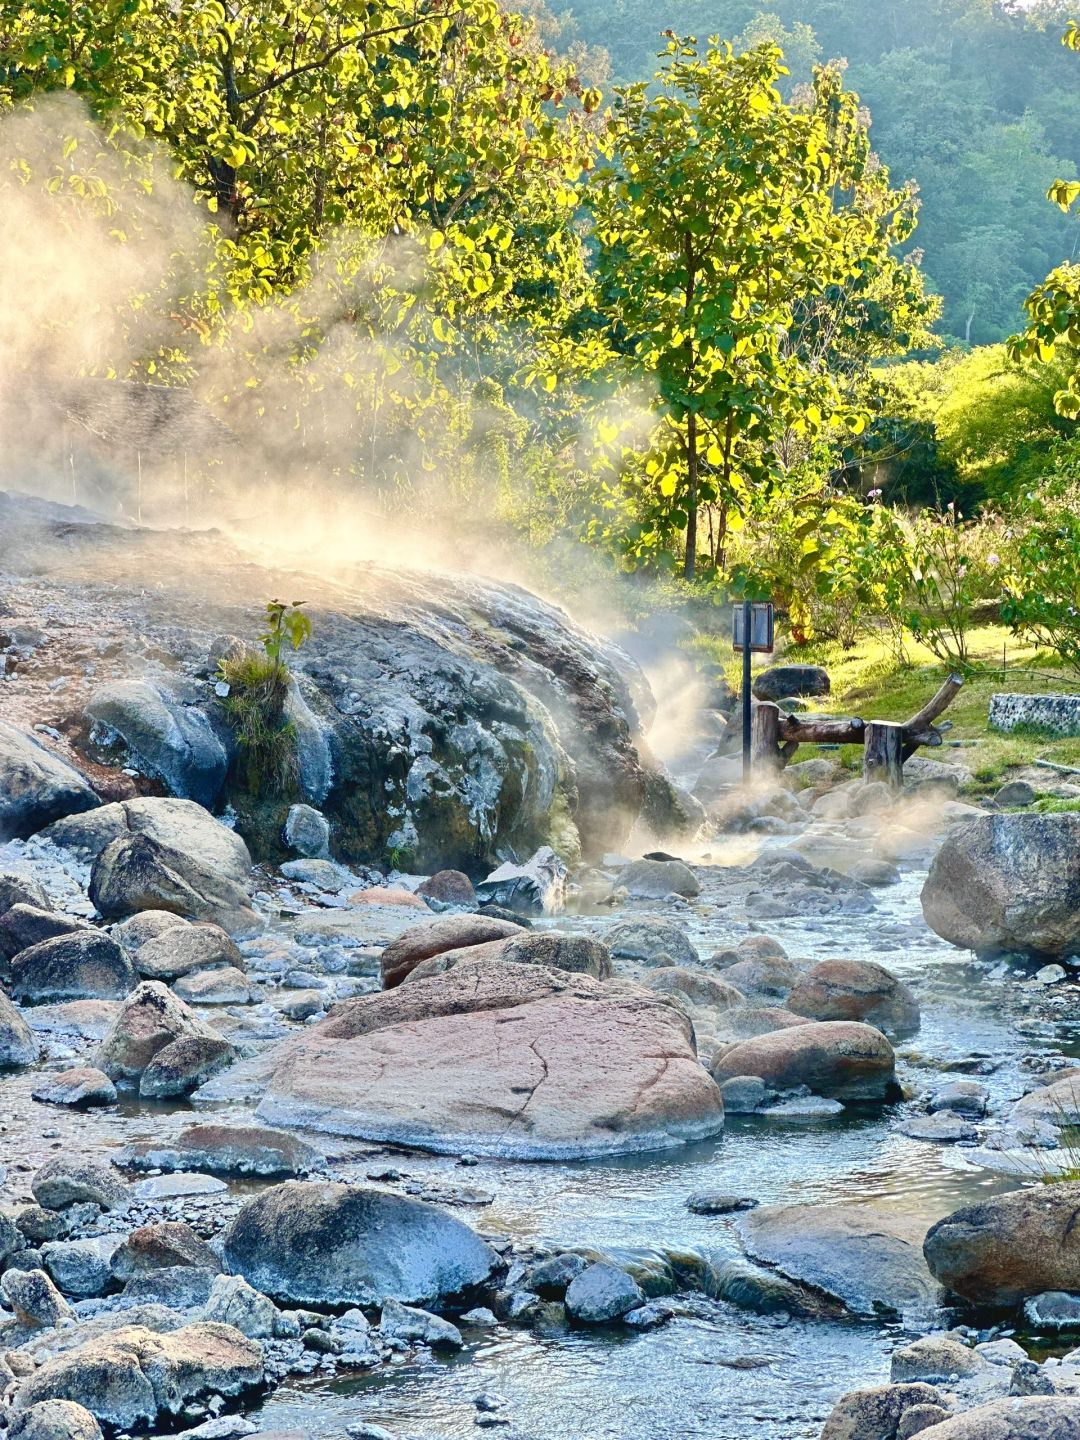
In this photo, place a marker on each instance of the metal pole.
(747, 620)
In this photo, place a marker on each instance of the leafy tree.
(737, 237)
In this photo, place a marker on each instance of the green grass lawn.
(867, 681)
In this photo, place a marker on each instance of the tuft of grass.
(255, 709)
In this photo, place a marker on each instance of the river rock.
(54, 1420)
(450, 932)
(157, 727)
(404, 1322)
(80, 1087)
(707, 991)
(36, 786)
(653, 879)
(307, 832)
(149, 1019)
(877, 1413)
(1033, 1417)
(70, 1179)
(652, 941)
(134, 932)
(448, 887)
(87, 965)
(936, 1359)
(33, 1297)
(24, 925)
(780, 681)
(21, 890)
(160, 1246)
(537, 885)
(575, 954)
(839, 1059)
(223, 986)
(963, 1097)
(509, 1060)
(550, 1278)
(232, 1301)
(130, 1378)
(770, 976)
(225, 1150)
(18, 1046)
(1008, 1247)
(868, 1256)
(1055, 1310)
(1008, 883)
(176, 824)
(184, 1064)
(602, 1293)
(1056, 1104)
(856, 990)
(325, 1244)
(136, 873)
(182, 949)
(746, 1022)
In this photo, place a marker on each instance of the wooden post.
(883, 753)
(765, 741)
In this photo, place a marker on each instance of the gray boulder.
(184, 1064)
(878, 1412)
(653, 879)
(87, 965)
(181, 949)
(936, 1359)
(80, 1087)
(1008, 883)
(71, 1179)
(232, 1301)
(33, 1297)
(1033, 1417)
(149, 1019)
(136, 873)
(21, 890)
(404, 1322)
(324, 1244)
(177, 824)
(54, 1420)
(81, 1267)
(157, 727)
(307, 832)
(18, 1045)
(575, 954)
(602, 1293)
(780, 681)
(24, 925)
(36, 786)
(651, 940)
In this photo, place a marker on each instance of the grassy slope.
(867, 681)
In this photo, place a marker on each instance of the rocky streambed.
(729, 1143)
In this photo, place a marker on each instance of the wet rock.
(962, 1097)
(707, 991)
(838, 1059)
(80, 1087)
(1033, 1418)
(71, 1179)
(575, 954)
(1008, 883)
(87, 965)
(550, 1278)
(325, 1244)
(876, 1413)
(946, 1128)
(868, 1256)
(602, 1293)
(179, 950)
(36, 786)
(1009, 1247)
(874, 872)
(225, 986)
(184, 1064)
(54, 1420)
(856, 990)
(136, 873)
(307, 832)
(33, 1297)
(150, 1019)
(161, 1245)
(133, 1376)
(538, 885)
(936, 1359)
(1057, 1105)
(81, 1267)
(743, 1094)
(448, 887)
(770, 976)
(653, 879)
(21, 890)
(718, 1202)
(402, 1322)
(157, 727)
(450, 932)
(780, 681)
(508, 1060)
(652, 941)
(18, 1046)
(24, 925)
(226, 1150)
(179, 825)
(232, 1301)
(1055, 1310)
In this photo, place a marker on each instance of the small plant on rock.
(255, 699)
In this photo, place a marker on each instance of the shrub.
(258, 688)
(1043, 590)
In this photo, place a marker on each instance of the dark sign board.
(761, 627)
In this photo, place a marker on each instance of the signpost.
(752, 631)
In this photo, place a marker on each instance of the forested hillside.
(972, 99)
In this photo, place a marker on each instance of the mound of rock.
(510, 1060)
(1008, 883)
(451, 932)
(1009, 1247)
(24, 925)
(136, 873)
(326, 1244)
(86, 965)
(839, 1059)
(856, 990)
(781, 682)
(134, 1377)
(36, 787)
(225, 1150)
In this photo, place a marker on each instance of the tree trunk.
(883, 753)
(691, 495)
